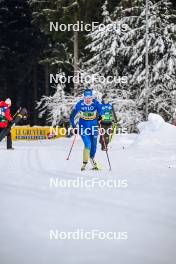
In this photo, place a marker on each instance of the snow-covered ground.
(146, 209)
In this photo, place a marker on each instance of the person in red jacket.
(5, 118)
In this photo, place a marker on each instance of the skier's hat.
(88, 93)
(8, 101)
(105, 96)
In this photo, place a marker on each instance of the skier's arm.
(99, 110)
(114, 114)
(73, 114)
(8, 115)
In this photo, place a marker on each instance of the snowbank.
(156, 131)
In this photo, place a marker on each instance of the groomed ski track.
(30, 207)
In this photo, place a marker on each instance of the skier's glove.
(100, 118)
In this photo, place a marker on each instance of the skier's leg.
(101, 142)
(93, 146)
(102, 137)
(93, 150)
(9, 140)
(107, 134)
(113, 131)
(87, 147)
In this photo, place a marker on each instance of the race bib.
(107, 116)
(88, 115)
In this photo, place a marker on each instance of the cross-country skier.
(108, 122)
(89, 110)
(5, 118)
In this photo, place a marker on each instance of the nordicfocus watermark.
(81, 182)
(88, 131)
(80, 26)
(81, 234)
(88, 79)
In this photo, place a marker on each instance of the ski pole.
(107, 154)
(74, 140)
(17, 112)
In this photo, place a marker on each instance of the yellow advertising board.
(35, 133)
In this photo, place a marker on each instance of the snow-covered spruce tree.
(109, 58)
(162, 56)
(57, 107)
(123, 53)
(107, 47)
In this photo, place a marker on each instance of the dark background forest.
(29, 52)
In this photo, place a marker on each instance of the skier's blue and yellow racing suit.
(88, 125)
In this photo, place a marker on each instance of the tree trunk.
(76, 55)
(35, 95)
(147, 90)
(46, 79)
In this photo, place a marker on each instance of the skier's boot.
(94, 165)
(83, 166)
(103, 148)
(10, 148)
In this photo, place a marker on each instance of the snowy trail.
(30, 208)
